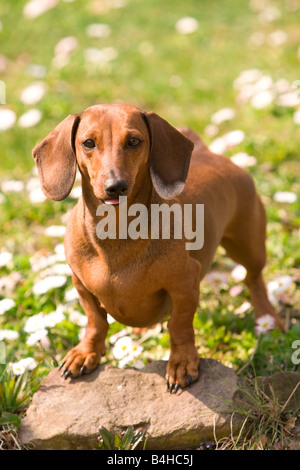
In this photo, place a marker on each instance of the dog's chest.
(133, 296)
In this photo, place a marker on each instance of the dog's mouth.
(111, 202)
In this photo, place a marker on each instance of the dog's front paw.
(80, 360)
(182, 368)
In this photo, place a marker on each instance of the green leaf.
(9, 418)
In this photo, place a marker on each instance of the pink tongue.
(112, 201)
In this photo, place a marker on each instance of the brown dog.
(120, 151)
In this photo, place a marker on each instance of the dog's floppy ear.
(169, 159)
(56, 161)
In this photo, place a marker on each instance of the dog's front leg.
(183, 364)
(86, 355)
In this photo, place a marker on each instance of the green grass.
(150, 52)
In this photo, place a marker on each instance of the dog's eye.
(134, 142)
(89, 143)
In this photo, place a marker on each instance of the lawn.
(229, 70)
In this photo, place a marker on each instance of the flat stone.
(66, 414)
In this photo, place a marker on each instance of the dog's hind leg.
(245, 243)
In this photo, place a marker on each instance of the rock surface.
(67, 414)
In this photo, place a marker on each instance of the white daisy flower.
(6, 304)
(239, 273)
(35, 8)
(280, 284)
(100, 56)
(246, 77)
(55, 231)
(287, 197)
(224, 114)
(289, 99)
(30, 118)
(217, 278)
(122, 347)
(36, 196)
(227, 141)
(277, 38)
(187, 25)
(59, 269)
(78, 318)
(66, 45)
(17, 369)
(76, 192)
(53, 318)
(7, 119)
(33, 93)
(10, 335)
(264, 324)
(28, 362)
(296, 117)
(50, 282)
(243, 160)
(8, 283)
(34, 323)
(71, 295)
(39, 336)
(262, 99)
(211, 130)
(243, 308)
(12, 186)
(98, 30)
(5, 258)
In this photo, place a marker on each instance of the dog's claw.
(82, 371)
(171, 388)
(62, 364)
(63, 372)
(168, 384)
(68, 374)
(188, 380)
(177, 387)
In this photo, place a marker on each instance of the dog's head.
(114, 146)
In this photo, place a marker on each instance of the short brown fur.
(141, 282)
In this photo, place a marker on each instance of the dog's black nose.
(115, 188)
